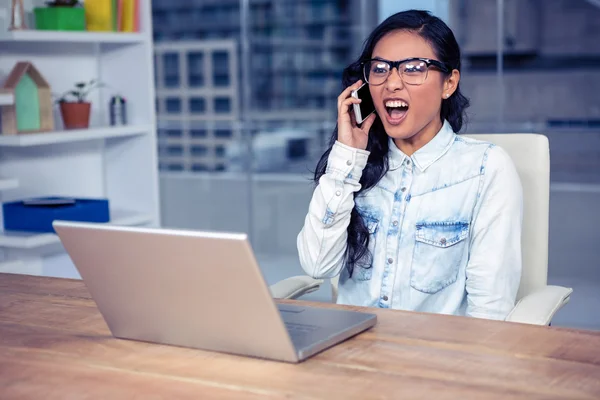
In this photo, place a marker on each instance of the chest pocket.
(440, 248)
(363, 270)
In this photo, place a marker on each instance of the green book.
(115, 15)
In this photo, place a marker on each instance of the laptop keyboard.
(295, 329)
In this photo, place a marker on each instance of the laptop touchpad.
(290, 309)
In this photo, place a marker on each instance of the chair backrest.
(531, 155)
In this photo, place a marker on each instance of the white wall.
(439, 8)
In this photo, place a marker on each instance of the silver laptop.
(197, 289)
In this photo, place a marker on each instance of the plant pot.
(75, 115)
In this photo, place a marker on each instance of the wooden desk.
(54, 344)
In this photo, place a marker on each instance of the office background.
(547, 82)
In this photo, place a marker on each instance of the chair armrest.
(539, 307)
(294, 287)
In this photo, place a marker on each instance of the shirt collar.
(426, 155)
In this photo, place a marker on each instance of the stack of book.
(112, 15)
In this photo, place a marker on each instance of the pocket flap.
(370, 217)
(442, 234)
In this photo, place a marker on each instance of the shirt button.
(349, 162)
(385, 298)
(338, 193)
(390, 260)
(395, 223)
(403, 189)
(407, 162)
(443, 241)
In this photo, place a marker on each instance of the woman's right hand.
(349, 133)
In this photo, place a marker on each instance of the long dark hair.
(444, 44)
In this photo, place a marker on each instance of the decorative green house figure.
(32, 107)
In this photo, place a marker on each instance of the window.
(173, 105)
(222, 105)
(220, 61)
(174, 133)
(171, 70)
(223, 133)
(175, 167)
(297, 149)
(197, 105)
(199, 150)
(195, 66)
(220, 151)
(174, 150)
(315, 32)
(199, 167)
(198, 133)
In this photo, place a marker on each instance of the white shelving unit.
(118, 163)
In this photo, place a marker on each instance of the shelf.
(29, 240)
(6, 184)
(45, 138)
(42, 36)
(6, 99)
(26, 240)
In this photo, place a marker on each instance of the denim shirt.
(444, 224)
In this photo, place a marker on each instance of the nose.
(394, 81)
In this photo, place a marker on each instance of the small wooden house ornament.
(17, 16)
(31, 110)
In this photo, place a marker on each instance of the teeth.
(395, 104)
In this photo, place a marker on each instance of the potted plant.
(76, 112)
(60, 15)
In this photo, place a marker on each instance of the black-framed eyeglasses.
(413, 71)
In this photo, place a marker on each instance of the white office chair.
(536, 301)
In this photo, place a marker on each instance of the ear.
(451, 83)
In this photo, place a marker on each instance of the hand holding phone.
(349, 131)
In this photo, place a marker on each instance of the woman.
(408, 214)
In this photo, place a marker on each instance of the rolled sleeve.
(322, 240)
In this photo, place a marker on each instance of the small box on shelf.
(60, 18)
(36, 215)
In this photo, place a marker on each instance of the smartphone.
(366, 107)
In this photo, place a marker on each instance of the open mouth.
(396, 110)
